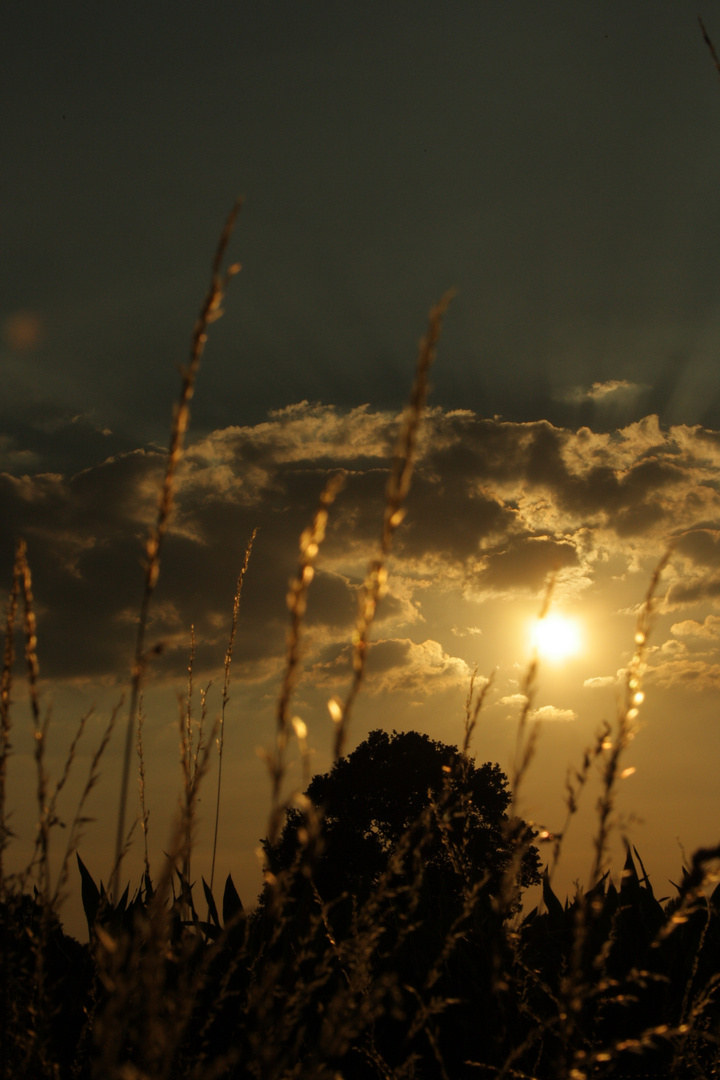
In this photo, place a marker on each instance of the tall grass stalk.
(375, 585)
(711, 47)
(192, 743)
(48, 818)
(155, 968)
(226, 692)
(211, 311)
(584, 978)
(626, 725)
(310, 541)
(6, 1012)
(526, 738)
(473, 707)
(5, 719)
(144, 812)
(193, 750)
(527, 732)
(41, 855)
(186, 713)
(80, 820)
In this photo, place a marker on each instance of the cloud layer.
(495, 509)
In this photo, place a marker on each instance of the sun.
(556, 638)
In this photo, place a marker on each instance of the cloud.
(542, 477)
(552, 713)
(600, 681)
(522, 564)
(494, 509)
(599, 392)
(688, 674)
(694, 590)
(709, 629)
(700, 546)
(544, 713)
(395, 665)
(15, 460)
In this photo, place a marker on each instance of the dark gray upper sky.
(559, 163)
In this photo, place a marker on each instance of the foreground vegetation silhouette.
(387, 942)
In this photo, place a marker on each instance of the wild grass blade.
(711, 47)
(5, 719)
(626, 723)
(375, 585)
(144, 812)
(211, 310)
(226, 692)
(310, 542)
(76, 826)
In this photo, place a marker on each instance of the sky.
(558, 165)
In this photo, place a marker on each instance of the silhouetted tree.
(405, 788)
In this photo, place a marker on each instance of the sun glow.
(556, 638)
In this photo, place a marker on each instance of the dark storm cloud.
(625, 498)
(524, 564)
(85, 535)
(701, 546)
(693, 592)
(37, 437)
(700, 549)
(495, 508)
(334, 602)
(625, 481)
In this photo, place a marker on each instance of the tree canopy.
(405, 790)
